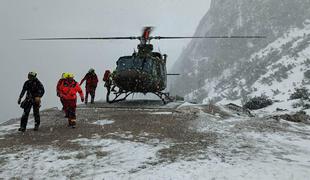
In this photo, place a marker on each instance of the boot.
(69, 123)
(22, 129)
(73, 123)
(86, 100)
(36, 128)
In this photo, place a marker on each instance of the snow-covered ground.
(246, 148)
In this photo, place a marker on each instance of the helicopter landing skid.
(116, 94)
(164, 97)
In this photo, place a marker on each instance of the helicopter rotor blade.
(173, 74)
(86, 38)
(208, 37)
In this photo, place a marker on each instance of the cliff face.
(211, 68)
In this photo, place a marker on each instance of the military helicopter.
(143, 71)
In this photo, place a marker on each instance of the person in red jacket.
(68, 90)
(91, 85)
(58, 90)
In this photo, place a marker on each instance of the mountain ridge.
(205, 60)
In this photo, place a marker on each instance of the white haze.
(80, 18)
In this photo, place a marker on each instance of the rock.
(279, 109)
(238, 109)
(300, 116)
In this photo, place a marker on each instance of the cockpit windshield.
(134, 63)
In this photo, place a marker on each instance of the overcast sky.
(82, 18)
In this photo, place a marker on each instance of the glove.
(19, 100)
(37, 100)
(82, 99)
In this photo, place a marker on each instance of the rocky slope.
(231, 69)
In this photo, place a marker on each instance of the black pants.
(92, 96)
(36, 114)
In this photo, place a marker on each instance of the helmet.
(70, 75)
(65, 75)
(32, 74)
(91, 70)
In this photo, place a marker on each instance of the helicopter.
(142, 72)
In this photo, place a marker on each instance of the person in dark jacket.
(91, 85)
(34, 91)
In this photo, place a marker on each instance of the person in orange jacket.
(68, 90)
(91, 85)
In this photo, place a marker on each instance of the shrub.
(307, 74)
(300, 93)
(258, 102)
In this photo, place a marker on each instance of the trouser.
(70, 110)
(92, 93)
(36, 114)
(62, 103)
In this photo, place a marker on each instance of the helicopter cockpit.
(126, 63)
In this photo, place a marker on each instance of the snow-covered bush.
(258, 102)
(307, 74)
(300, 93)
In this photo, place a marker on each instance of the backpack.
(106, 75)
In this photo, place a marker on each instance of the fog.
(80, 18)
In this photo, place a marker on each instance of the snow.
(187, 104)
(251, 154)
(286, 106)
(103, 122)
(295, 76)
(108, 159)
(8, 129)
(294, 79)
(161, 113)
(291, 35)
